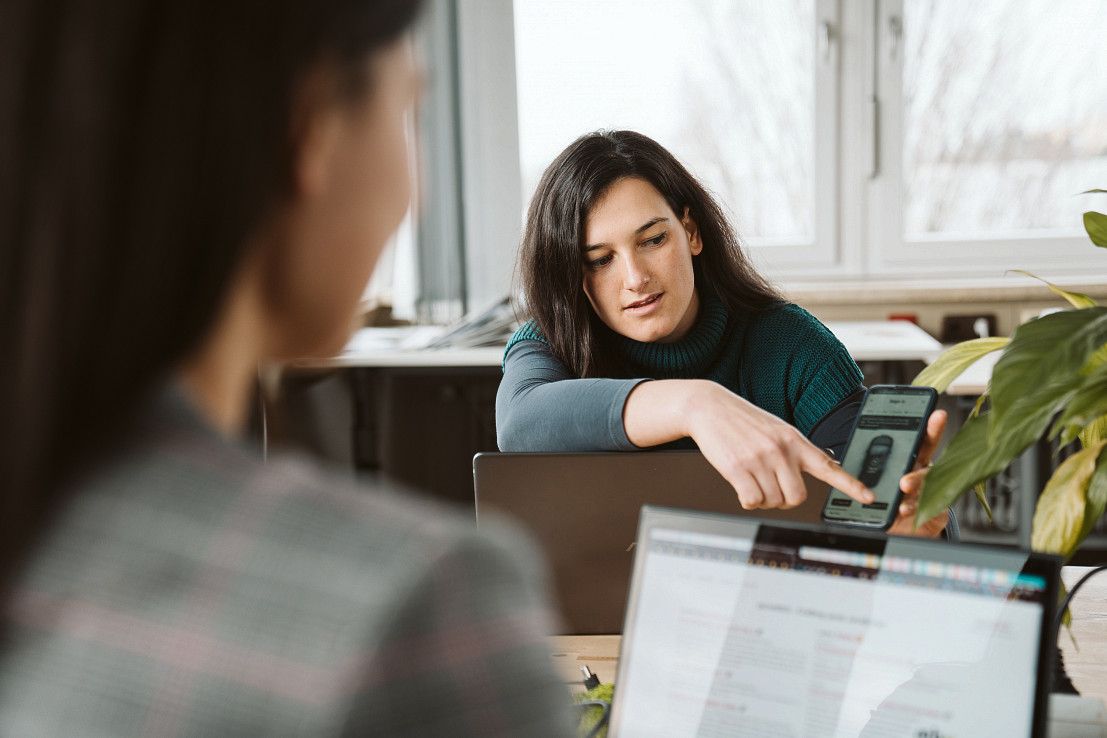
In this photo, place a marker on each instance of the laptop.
(736, 627)
(582, 508)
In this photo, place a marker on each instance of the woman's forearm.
(662, 410)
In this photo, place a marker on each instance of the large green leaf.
(1029, 418)
(966, 461)
(1059, 517)
(1040, 363)
(1094, 432)
(1099, 358)
(1084, 406)
(1095, 361)
(1076, 299)
(974, 454)
(1096, 499)
(1096, 226)
(956, 360)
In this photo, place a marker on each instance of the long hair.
(551, 262)
(142, 143)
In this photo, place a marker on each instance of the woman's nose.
(635, 275)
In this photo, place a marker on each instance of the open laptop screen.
(739, 628)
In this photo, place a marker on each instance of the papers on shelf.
(403, 338)
(490, 326)
(493, 325)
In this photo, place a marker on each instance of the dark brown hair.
(142, 143)
(551, 261)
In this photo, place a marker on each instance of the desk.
(489, 356)
(389, 348)
(600, 653)
(874, 340)
(886, 340)
(1085, 661)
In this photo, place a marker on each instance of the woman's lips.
(644, 306)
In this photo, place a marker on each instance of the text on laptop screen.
(769, 635)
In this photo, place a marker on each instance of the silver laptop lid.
(736, 627)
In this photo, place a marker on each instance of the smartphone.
(882, 447)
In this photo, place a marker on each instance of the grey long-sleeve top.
(541, 407)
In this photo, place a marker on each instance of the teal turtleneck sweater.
(783, 360)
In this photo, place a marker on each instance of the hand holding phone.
(883, 446)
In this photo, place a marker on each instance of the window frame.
(821, 255)
(858, 237)
(890, 253)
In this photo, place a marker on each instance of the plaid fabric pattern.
(191, 590)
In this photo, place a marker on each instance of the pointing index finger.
(831, 472)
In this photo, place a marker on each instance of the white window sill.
(1011, 288)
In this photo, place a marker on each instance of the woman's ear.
(315, 133)
(693, 232)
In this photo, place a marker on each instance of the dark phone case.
(872, 468)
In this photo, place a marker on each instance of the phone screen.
(881, 450)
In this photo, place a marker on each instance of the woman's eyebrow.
(650, 224)
(638, 231)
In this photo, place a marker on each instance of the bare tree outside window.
(751, 99)
(1005, 115)
(726, 85)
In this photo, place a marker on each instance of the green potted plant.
(1051, 379)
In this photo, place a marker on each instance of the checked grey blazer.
(190, 589)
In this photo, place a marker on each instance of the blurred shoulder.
(377, 523)
(302, 522)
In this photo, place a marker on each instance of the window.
(993, 120)
(732, 87)
(1000, 130)
(454, 252)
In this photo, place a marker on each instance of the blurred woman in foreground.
(189, 189)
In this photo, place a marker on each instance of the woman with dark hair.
(630, 270)
(190, 189)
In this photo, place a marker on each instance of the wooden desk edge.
(600, 653)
